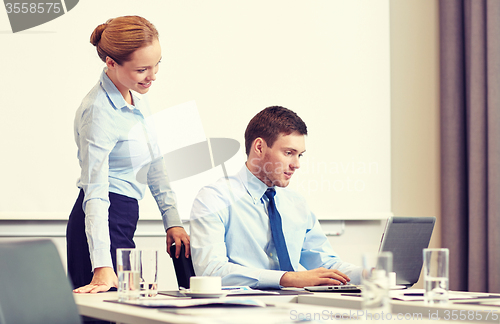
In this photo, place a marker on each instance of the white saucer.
(193, 294)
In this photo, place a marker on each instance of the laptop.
(405, 237)
(348, 288)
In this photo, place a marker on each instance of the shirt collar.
(255, 187)
(115, 96)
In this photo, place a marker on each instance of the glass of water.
(128, 268)
(375, 281)
(149, 273)
(436, 276)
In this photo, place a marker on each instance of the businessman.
(251, 230)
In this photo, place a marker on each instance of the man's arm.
(208, 223)
(317, 252)
(210, 259)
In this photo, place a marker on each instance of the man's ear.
(110, 63)
(259, 146)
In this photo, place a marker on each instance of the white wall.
(415, 111)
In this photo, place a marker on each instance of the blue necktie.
(277, 231)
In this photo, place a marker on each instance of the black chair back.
(183, 267)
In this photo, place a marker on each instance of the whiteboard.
(327, 60)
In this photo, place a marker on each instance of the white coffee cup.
(205, 284)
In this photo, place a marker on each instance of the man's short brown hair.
(271, 122)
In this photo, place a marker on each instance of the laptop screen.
(406, 237)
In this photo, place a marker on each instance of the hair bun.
(97, 33)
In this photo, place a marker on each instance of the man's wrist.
(287, 279)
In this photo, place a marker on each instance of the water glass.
(436, 276)
(375, 281)
(149, 272)
(128, 268)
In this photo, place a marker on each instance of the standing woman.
(114, 143)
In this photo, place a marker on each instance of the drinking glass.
(128, 268)
(149, 272)
(375, 281)
(436, 276)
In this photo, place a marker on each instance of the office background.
(405, 97)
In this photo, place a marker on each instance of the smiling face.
(138, 73)
(275, 165)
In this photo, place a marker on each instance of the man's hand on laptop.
(316, 277)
